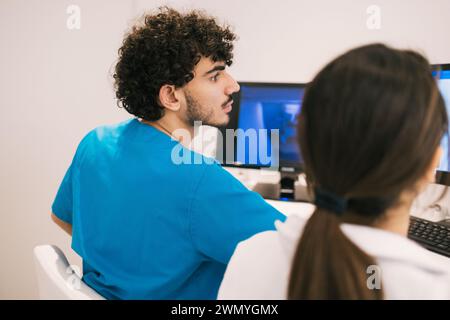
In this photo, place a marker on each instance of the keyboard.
(434, 236)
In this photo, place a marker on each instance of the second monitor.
(263, 127)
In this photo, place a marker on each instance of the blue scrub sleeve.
(224, 212)
(63, 203)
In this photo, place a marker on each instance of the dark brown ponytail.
(370, 122)
(328, 265)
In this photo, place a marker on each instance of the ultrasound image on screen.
(444, 88)
(269, 107)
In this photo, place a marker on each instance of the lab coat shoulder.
(407, 279)
(256, 269)
(408, 271)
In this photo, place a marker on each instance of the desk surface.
(305, 209)
(289, 207)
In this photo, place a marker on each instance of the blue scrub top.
(149, 228)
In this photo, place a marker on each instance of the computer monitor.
(260, 108)
(261, 132)
(442, 74)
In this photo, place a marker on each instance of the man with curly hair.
(146, 227)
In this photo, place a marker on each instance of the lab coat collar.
(386, 245)
(382, 245)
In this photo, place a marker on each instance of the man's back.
(148, 228)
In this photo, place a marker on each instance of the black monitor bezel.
(284, 166)
(442, 177)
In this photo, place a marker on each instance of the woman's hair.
(371, 121)
(164, 49)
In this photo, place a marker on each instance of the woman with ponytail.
(369, 132)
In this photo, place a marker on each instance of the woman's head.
(370, 124)
(369, 129)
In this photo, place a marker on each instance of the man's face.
(208, 94)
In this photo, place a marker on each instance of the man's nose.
(232, 87)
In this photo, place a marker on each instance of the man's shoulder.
(104, 135)
(107, 131)
(197, 164)
(206, 171)
(213, 170)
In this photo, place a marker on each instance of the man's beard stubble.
(195, 113)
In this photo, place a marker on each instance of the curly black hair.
(164, 49)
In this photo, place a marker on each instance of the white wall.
(55, 85)
(289, 40)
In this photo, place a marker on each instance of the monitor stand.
(287, 185)
(288, 188)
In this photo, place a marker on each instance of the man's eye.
(214, 78)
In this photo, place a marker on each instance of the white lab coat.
(260, 266)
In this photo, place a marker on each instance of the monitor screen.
(443, 80)
(263, 124)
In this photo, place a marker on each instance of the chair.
(57, 280)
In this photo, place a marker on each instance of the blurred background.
(56, 84)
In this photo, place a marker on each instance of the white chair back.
(57, 280)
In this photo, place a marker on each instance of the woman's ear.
(431, 171)
(169, 97)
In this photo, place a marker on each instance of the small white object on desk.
(267, 182)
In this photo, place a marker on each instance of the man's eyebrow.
(216, 68)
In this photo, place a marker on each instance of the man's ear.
(169, 97)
